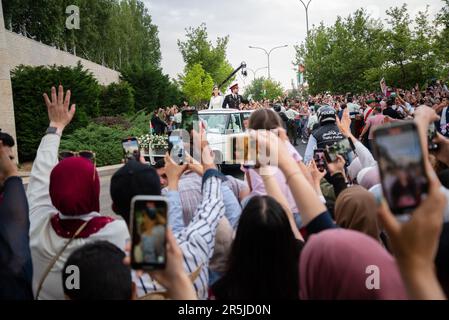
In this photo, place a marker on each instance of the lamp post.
(255, 71)
(306, 6)
(268, 53)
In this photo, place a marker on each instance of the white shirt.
(216, 102)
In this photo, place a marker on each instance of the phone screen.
(344, 148)
(242, 150)
(432, 134)
(189, 120)
(401, 166)
(176, 149)
(131, 149)
(320, 159)
(148, 227)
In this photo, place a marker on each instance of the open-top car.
(219, 124)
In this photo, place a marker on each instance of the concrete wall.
(26, 51)
(7, 123)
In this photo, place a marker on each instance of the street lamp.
(307, 14)
(268, 53)
(255, 71)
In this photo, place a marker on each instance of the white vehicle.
(220, 123)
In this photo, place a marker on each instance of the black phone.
(432, 134)
(320, 159)
(131, 149)
(189, 120)
(148, 226)
(401, 164)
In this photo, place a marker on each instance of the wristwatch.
(52, 130)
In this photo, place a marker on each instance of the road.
(105, 182)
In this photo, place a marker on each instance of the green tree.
(356, 52)
(262, 88)
(151, 87)
(197, 85)
(116, 99)
(198, 49)
(441, 39)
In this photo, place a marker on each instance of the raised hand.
(59, 113)
(415, 242)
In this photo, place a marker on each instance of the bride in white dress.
(216, 101)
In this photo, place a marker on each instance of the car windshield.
(215, 123)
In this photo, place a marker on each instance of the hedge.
(29, 83)
(116, 99)
(105, 141)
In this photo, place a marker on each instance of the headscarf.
(354, 168)
(368, 177)
(356, 209)
(75, 193)
(338, 264)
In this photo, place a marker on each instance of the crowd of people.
(290, 232)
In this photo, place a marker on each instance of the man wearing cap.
(326, 134)
(233, 100)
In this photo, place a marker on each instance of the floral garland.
(154, 141)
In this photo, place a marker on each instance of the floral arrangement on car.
(157, 143)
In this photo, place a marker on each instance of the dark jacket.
(233, 103)
(16, 269)
(158, 125)
(327, 135)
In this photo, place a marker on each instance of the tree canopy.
(115, 33)
(197, 85)
(261, 88)
(356, 52)
(198, 49)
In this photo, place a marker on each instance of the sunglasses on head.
(86, 154)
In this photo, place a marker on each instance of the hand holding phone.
(401, 164)
(148, 224)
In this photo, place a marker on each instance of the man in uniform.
(233, 100)
(326, 134)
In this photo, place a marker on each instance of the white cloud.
(265, 23)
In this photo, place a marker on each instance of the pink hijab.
(335, 265)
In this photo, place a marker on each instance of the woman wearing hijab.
(356, 209)
(64, 205)
(342, 264)
(216, 101)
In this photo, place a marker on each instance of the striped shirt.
(197, 240)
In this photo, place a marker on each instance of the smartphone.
(176, 148)
(344, 148)
(148, 228)
(432, 134)
(241, 149)
(131, 149)
(320, 159)
(401, 164)
(189, 120)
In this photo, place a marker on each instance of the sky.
(261, 23)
